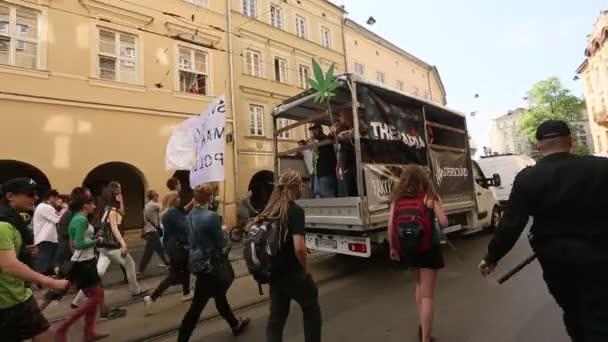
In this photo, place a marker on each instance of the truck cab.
(387, 129)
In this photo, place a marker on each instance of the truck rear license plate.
(326, 243)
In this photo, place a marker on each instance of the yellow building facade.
(594, 74)
(90, 90)
(377, 59)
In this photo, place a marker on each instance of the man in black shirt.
(567, 196)
(324, 165)
(291, 277)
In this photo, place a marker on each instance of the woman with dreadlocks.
(291, 275)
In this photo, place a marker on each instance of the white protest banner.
(209, 132)
(180, 148)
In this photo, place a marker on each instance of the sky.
(497, 49)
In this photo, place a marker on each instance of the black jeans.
(178, 274)
(153, 244)
(303, 290)
(45, 261)
(582, 293)
(207, 286)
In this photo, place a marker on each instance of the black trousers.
(582, 293)
(303, 290)
(207, 286)
(179, 273)
(153, 244)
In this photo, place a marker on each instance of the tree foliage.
(549, 100)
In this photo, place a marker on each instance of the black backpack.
(262, 245)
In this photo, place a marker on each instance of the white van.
(507, 166)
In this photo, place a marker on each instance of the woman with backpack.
(414, 240)
(207, 240)
(175, 239)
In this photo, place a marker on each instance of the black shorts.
(432, 259)
(84, 274)
(22, 321)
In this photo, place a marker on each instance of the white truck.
(508, 166)
(389, 129)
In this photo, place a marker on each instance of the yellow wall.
(378, 55)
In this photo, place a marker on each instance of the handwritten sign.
(209, 131)
(180, 149)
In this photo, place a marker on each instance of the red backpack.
(412, 229)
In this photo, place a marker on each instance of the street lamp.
(371, 21)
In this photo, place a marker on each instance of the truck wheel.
(496, 216)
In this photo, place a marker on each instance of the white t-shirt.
(45, 223)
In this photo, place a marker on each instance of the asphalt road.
(376, 304)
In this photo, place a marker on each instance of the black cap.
(315, 126)
(21, 185)
(552, 129)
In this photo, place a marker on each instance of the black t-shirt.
(286, 261)
(326, 164)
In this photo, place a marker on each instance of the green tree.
(581, 149)
(549, 100)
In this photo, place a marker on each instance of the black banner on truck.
(451, 173)
(392, 129)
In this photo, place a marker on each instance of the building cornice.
(191, 32)
(102, 10)
(581, 68)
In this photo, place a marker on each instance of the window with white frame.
(282, 123)
(19, 41)
(325, 37)
(360, 69)
(280, 70)
(304, 75)
(380, 77)
(300, 27)
(256, 120)
(249, 8)
(400, 85)
(253, 61)
(276, 16)
(202, 3)
(117, 56)
(193, 66)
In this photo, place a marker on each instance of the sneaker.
(140, 294)
(74, 305)
(96, 337)
(187, 298)
(112, 313)
(243, 324)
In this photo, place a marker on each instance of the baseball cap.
(552, 129)
(20, 185)
(315, 126)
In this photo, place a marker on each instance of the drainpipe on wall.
(344, 43)
(232, 99)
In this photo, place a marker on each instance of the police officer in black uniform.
(567, 197)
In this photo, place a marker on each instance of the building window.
(360, 69)
(193, 71)
(301, 27)
(304, 75)
(282, 123)
(249, 8)
(202, 3)
(276, 16)
(325, 37)
(117, 56)
(380, 77)
(280, 70)
(253, 62)
(256, 120)
(400, 85)
(19, 37)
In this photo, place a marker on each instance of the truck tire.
(496, 216)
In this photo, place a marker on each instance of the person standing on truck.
(346, 171)
(324, 163)
(291, 278)
(415, 187)
(566, 196)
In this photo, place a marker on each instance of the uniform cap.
(21, 185)
(552, 129)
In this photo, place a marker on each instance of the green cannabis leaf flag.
(324, 83)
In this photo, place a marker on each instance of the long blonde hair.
(414, 182)
(290, 182)
(168, 200)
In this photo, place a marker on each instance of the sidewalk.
(170, 310)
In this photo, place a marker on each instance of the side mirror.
(496, 181)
